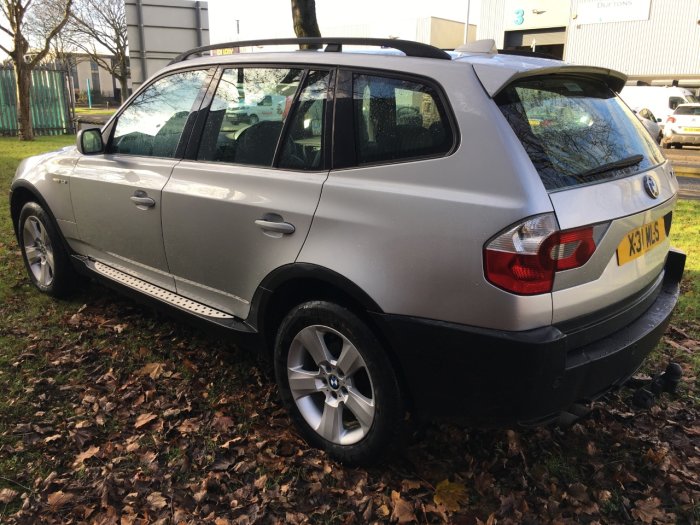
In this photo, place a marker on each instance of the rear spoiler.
(496, 77)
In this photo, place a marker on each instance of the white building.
(654, 41)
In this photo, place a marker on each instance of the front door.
(117, 196)
(244, 207)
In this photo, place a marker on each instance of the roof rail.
(333, 44)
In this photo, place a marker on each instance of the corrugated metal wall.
(668, 44)
(48, 102)
(491, 23)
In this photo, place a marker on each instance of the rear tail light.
(525, 258)
(671, 120)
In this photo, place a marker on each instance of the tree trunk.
(124, 88)
(305, 23)
(23, 81)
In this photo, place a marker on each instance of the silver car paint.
(411, 234)
(50, 174)
(112, 228)
(216, 252)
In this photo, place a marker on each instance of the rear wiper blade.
(616, 165)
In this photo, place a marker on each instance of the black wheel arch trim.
(305, 271)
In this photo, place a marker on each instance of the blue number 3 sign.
(519, 17)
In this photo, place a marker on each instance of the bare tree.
(40, 22)
(304, 18)
(17, 14)
(99, 28)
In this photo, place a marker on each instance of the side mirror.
(89, 141)
(659, 120)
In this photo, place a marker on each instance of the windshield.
(576, 131)
(692, 98)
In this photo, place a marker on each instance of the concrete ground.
(686, 164)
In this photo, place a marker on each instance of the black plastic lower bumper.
(491, 377)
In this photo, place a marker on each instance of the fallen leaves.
(7, 495)
(89, 453)
(59, 499)
(144, 419)
(156, 424)
(453, 496)
(403, 510)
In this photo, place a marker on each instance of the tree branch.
(47, 44)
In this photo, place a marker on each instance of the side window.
(247, 115)
(674, 101)
(303, 146)
(398, 119)
(153, 122)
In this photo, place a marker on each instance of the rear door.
(117, 195)
(245, 205)
(600, 169)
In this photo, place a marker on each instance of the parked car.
(649, 121)
(683, 127)
(271, 107)
(660, 100)
(495, 254)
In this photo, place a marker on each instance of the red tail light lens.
(524, 259)
(671, 120)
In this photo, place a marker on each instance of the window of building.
(247, 115)
(153, 123)
(398, 119)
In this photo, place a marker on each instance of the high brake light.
(524, 259)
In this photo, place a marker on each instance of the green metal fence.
(49, 102)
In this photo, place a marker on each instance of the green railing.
(49, 102)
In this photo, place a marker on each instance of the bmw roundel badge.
(651, 186)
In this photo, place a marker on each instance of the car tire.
(45, 256)
(337, 382)
(253, 119)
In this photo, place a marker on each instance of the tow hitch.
(648, 389)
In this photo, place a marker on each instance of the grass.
(85, 112)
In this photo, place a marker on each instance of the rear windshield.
(687, 110)
(576, 131)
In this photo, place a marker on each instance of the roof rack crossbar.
(333, 44)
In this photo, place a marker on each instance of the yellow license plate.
(640, 240)
(692, 130)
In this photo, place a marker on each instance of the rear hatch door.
(601, 169)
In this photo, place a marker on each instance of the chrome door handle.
(275, 226)
(141, 198)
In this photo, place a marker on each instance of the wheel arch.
(293, 284)
(23, 192)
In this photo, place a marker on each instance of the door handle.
(142, 200)
(278, 226)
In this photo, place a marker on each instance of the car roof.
(494, 70)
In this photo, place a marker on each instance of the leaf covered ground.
(112, 412)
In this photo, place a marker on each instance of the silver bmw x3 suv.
(463, 234)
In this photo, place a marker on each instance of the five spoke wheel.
(38, 250)
(330, 383)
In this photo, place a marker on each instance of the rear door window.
(398, 119)
(576, 131)
(247, 115)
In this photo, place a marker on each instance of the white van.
(660, 100)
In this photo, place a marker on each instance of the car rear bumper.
(681, 138)
(493, 378)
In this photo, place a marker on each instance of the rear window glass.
(576, 131)
(687, 110)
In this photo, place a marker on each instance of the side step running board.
(119, 279)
